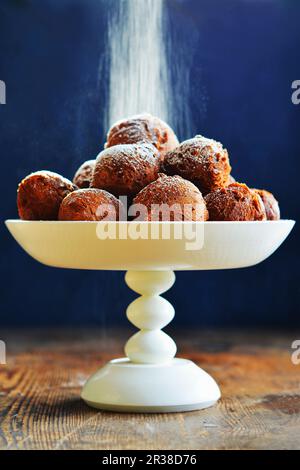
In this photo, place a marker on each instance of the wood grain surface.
(40, 406)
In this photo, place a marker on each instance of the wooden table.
(40, 406)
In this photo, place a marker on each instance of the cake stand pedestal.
(150, 379)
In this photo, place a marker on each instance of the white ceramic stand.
(149, 379)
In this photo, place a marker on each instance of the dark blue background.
(243, 56)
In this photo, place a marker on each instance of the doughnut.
(170, 198)
(235, 202)
(143, 128)
(124, 170)
(83, 175)
(89, 204)
(270, 203)
(202, 161)
(40, 194)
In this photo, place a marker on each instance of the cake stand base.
(178, 385)
(150, 379)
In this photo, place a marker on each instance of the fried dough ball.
(84, 174)
(235, 202)
(203, 161)
(270, 203)
(89, 204)
(143, 128)
(170, 198)
(124, 170)
(40, 194)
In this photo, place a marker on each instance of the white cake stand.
(149, 378)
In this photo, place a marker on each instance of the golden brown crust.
(84, 174)
(270, 203)
(124, 170)
(143, 128)
(89, 204)
(40, 194)
(173, 192)
(235, 202)
(203, 161)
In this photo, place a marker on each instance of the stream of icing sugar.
(138, 80)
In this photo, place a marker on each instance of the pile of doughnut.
(144, 161)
